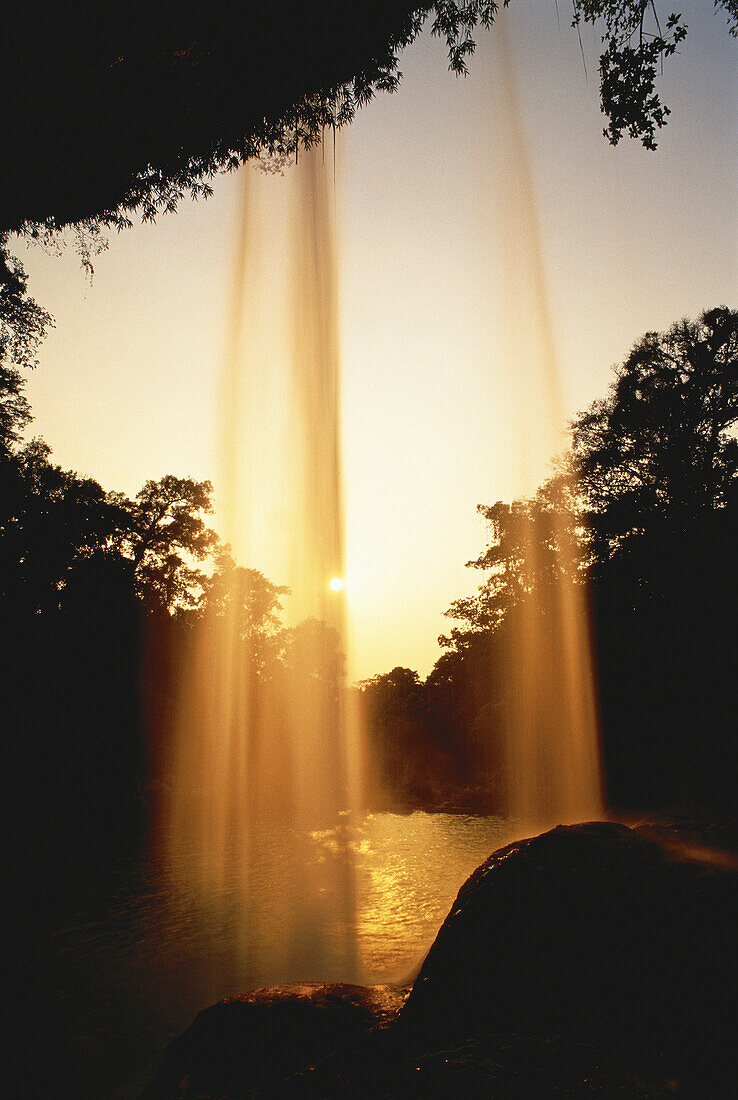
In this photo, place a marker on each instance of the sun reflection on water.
(409, 869)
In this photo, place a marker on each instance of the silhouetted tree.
(233, 82)
(659, 452)
(51, 521)
(166, 534)
(392, 705)
(658, 464)
(23, 325)
(532, 543)
(645, 506)
(251, 603)
(312, 653)
(404, 760)
(630, 63)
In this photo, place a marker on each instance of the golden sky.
(434, 406)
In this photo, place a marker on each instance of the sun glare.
(336, 584)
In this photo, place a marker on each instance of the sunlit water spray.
(264, 747)
(266, 761)
(551, 733)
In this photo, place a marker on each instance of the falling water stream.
(254, 757)
(551, 733)
(262, 753)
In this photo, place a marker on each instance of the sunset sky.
(434, 405)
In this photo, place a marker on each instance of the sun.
(336, 584)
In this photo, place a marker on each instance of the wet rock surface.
(593, 959)
(592, 930)
(251, 1041)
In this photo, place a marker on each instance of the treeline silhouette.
(101, 596)
(649, 491)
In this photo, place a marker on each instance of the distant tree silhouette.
(408, 765)
(51, 521)
(166, 534)
(251, 603)
(660, 451)
(23, 325)
(393, 706)
(313, 653)
(531, 543)
(648, 500)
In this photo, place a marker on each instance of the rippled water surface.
(137, 956)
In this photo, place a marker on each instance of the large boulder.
(596, 932)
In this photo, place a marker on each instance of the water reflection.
(407, 869)
(139, 955)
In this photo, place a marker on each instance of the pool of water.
(138, 953)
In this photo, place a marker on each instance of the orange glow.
(428, 428)
(264, 746)
(550, 714)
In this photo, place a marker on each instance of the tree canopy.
(652, 463)
(126, 108)
(531, 543)
(661, 447)
(165, 535)
(23, 325)
(96, 585)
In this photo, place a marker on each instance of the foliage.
(531, 543)
(166, 533)
(661, 446)
(15, 411)
(456, 21)
(52, 521)
(647, 463)
(88, 238)
(251, 603)
(52, 518)
(629, 64)
(157, 171)
(731, 6)
(649, 493)
(636, 45)
(88, 578)
(23, 325)
(403, 681)
(312, 653)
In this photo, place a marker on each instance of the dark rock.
(259, 1038)
(591, 931)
